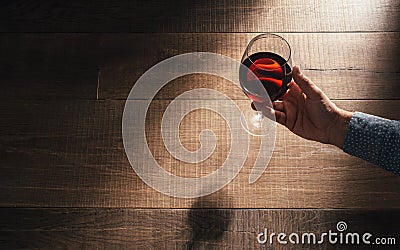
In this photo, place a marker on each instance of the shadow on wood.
(207, 221)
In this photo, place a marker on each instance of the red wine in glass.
(264, 77)
(271, 70)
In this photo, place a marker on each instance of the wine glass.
(264, 76)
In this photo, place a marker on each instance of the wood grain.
(346, 66)
(66, 181)
(200, 16)
(106, 66)
(70, 154)
(48, 66)
(211, 228)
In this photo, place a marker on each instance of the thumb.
(306, 85)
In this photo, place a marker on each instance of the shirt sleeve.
(374, 139)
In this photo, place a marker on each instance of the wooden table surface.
(66, 69)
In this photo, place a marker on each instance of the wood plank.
(68, 66)
(70, 154)
(345, 66)
(48, 66)
(194, 228)
(200, 16)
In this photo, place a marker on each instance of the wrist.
(339, 127)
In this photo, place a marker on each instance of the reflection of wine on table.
(271, 70)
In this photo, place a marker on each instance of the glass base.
(254, 122)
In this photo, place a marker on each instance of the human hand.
(308, 112)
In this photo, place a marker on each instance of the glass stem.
(259, 115)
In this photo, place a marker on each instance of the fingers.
(280, 117)
(306, 85)
(278, 105)
(253, 106)
(265, 109)
(276, 113)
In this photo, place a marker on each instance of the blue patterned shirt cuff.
(374, 139)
